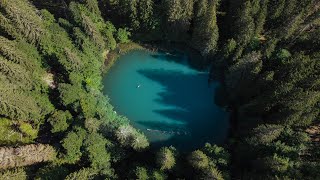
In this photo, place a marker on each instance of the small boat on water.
(139, 85)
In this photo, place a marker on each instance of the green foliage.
(21, 53)
(82, 174)
(218, 155)
(212, 173)
(264, 134)
(65, 24)
(69, 94)
(22, 15)
(10, 134)
(88, 17)
(270, 48)
(60, 121)
(132, 11)
(229, 47)
(95, 145)
(158, 175)
(93, 6)
(206, 33)
(108, 33)
(141, 173)
(138, 14)
(23, 89)
(278, 164)
(166, 158)
(123, 35)
(260, 16)
(198, 160)
(21, 105)
(72, 144)
(283, 98)
(92, 125)
(200, 8)
(241, 74)
(52, 172)
(88, 21)
(276, 8)
(244, 27)
(146, 14)
(283, 54)
(178, 17)
(8, 27)
(211, 163)
(14, 72)
(47, 17)
(294, 137)
(14, 174)
(28, 130)
(128, 136)
(286, 150)
(55, 41)
(88, 106)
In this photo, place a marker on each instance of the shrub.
(123, 35)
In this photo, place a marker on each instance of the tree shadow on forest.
(190, 101)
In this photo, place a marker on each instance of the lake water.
(165, 98)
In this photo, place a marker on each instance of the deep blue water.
(165, 98)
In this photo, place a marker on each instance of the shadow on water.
(190, 102)
(194, 59)
(179, 58)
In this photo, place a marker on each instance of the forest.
(56, 123)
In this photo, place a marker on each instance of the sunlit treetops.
(25, 19)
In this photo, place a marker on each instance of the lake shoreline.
(164, 92)
(154, 47)
(122, 49)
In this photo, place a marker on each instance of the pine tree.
(26, 155)
(146, 14)
(22, 15)
(72, 144)
(95, 145)
(14, 174)
(178, 17)
(166, 158)
(205, 36)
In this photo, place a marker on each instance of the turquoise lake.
(168, 100)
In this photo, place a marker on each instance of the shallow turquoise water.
(165, 98)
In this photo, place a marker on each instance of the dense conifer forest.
(55, 123)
